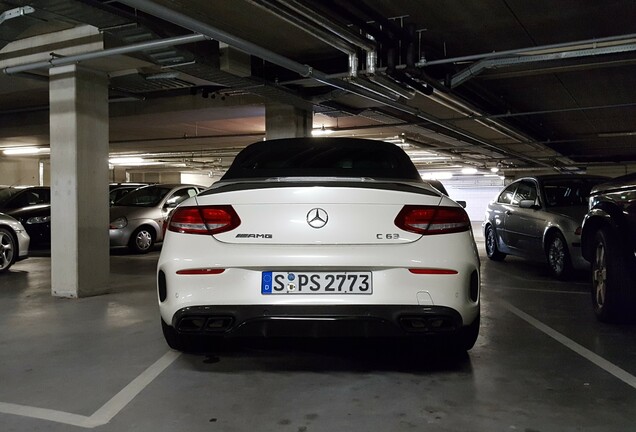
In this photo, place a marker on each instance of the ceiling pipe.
(309, 20)
(309, 27)
(320, 20)
(304, 70)
(591, 43)
(144, 46)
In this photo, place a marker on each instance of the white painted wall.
(197, 179)
(19, 171)
(612, 171)
(476, 197)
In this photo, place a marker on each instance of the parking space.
(541, 363)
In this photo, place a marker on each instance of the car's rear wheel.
(492, 251)
(173, 339)
(558, 256)
(142, 240)
(613, 293)
(7, 249)
(468, 335)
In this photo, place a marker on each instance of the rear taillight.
(429, 220)
(203, 220)
(201, 271)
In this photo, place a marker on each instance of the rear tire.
(558, 256)
(468, 335)
(613, 292)
(8, 249)
(173, 339)
(491, 245)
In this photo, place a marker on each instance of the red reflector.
(203, 220)
(201, 271)
(432, 271)
(432, 219)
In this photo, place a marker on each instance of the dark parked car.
(609, 244)
(540, 218)
(31, 205)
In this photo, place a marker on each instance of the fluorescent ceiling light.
(427, 158)
(437, 175)
(469, 170)
(24, 151)
(126, 160)
(494, 169)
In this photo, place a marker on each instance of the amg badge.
(257, 236)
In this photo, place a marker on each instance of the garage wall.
(612, 171)
(476, 197)
(155, 177)
(477, 191)
(20, 171)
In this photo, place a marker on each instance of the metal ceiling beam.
(318, 29)
(542, 49)
(477, 68)
(145, 46)
(304, 70)
(15, 13)
(557, 68)
(553, 111)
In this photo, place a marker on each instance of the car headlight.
(38, 220)
(119, 223)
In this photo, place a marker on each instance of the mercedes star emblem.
(317, 218)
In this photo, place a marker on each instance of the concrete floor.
(541, 363)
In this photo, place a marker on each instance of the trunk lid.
(325, 213)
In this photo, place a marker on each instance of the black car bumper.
(317, 321)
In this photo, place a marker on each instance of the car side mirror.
(529, 204)
(461, 203)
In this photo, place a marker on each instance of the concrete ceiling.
(523, 85)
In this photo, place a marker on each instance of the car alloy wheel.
(558, 256)
(613, 295)
(491, 245)
(7, 248)
(599, 275)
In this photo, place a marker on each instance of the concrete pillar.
(286, 121)
(79, 182)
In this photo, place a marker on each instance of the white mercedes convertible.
(315, 237)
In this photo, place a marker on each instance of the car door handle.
(508, 212)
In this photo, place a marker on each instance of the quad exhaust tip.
(212, 324)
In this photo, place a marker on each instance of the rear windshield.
(569, 192)
(323, 157)
(148, 196)
(6, 194)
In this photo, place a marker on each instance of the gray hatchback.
(540, 218)
(137, 220)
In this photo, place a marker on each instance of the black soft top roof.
(323, 157)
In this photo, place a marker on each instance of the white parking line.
(109, 410)
(543, 291)
(599, 361)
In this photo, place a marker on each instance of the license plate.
(316, 283)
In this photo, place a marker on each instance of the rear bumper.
(317, 320)
(23, 245)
